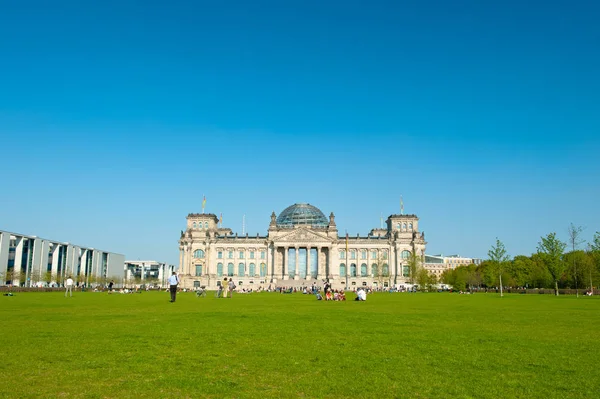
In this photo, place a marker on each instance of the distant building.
(147, 272)
(31, 260)
(438, 264)
(301, 246)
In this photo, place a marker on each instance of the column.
(4, 249)
(15, 278)
(284, 266)
(319, 263)
(297, 254)
(55, 253)
(180, 259)
(308, 276)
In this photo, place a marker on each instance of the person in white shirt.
(361, 295)
(173, 281)
(69, 286)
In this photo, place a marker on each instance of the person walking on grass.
(173, 281)
(69, 286)
(225, 287)
(231, 286)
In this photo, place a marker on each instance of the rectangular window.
(230, 254)
(198, 270)
(220, 254)
(262, 254)
(363, 255)
(352, 255)
(342, 254)
(252, 255)
(241, 254)
(373, 254)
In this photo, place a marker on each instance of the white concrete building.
(438, 264)
(31, 260)
(147, 272)
(301, 246)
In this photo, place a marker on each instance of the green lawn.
(96, 345)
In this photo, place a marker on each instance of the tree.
(381, 271)
(594, 251)
(575, 240)
(498, 260)
(551, 250)
(414, 264)
(422, 279)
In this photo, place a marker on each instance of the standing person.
(173, 281)
(231, 286)
(110, 286)
(225, 287)
(69, 286)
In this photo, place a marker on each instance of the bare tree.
(575, 239)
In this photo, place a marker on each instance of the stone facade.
(297, 253)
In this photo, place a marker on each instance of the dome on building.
(302, 214)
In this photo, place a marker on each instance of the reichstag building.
(302, 246)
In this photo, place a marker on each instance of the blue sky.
(117, 117)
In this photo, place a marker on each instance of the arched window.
(398, 226)
(230, 269)
(410, 226)
(374, 270)
(405, 254)
(404, 226)
(241, 270)
(194, 224)
(363, 270)
(219, 270)
(342, 269)
(353, 270)
(252, 270)
(206, 225)
(263, 270)
(199, 254)
(385, 270)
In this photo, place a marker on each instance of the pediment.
(303, 235)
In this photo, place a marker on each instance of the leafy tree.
(594, 251)
(520, 269)
(380, 273)
(498, 259)
(422, 278)
(551, 250)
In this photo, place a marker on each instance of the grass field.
(268, 345)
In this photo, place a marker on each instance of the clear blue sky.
(117, 116)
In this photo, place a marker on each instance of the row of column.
(32, 268)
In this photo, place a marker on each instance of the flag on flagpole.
(401, 206)
(203, 203)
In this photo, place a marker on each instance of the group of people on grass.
(226, 288)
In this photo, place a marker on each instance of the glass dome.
(302, 214)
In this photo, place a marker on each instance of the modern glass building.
(301, 246)
(31, 261)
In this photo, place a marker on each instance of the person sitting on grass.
(361, 295)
